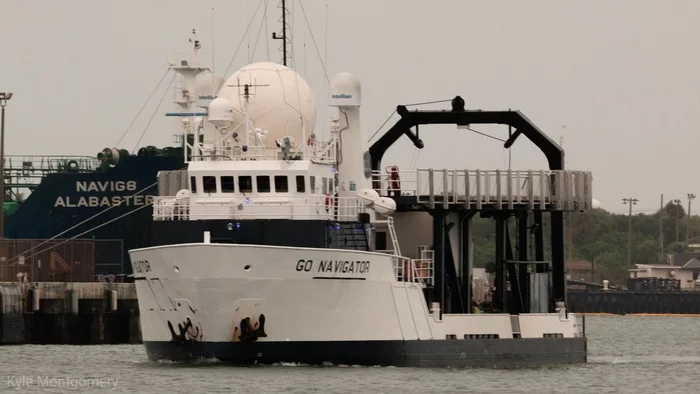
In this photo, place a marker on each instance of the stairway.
(350, 236)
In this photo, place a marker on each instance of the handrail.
(293, 206)
(561, 190)
(317, 151)
(414, 270)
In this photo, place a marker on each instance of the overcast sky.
(618, 79)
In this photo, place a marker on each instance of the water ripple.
(627, 355)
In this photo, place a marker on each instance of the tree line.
(601, 237)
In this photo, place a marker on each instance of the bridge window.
(312, 184)
(281, 184)
(209, 184)
(193, 184)
(245, 184)
(227, 184)
(324, 185)
(301, 185)
(263, 182)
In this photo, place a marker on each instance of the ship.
(80, 215)
(84, 205)
(275, 246)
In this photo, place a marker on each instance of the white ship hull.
(267, 304)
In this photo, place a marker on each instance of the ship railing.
(301, 207)
(538, 189)
(405, 185)
(414, 270)
(317, 151)
(322, 151)
(239, 153)
(29, 164)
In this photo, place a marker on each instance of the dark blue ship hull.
(88, 200)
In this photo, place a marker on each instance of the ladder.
(392, 234)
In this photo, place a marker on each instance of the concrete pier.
(68, 313)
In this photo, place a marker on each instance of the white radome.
(595, 204)
(280, 107)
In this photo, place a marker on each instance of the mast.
(283, 37)
(186, 96)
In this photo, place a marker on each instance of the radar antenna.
(246, 93)
(283, 37)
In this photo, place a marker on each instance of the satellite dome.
(595, 204)
(346, 91)
(280, 100)
(221, 113)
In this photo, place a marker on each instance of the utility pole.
(4, 97)
(569, 235)
(661, 230)
(631, 201)
(691, 197)
(678, 216)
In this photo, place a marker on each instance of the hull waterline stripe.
(531, 352)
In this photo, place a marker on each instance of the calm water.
(627, 355)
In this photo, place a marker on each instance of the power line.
(155, 111)
(142, 108)
(413, 105)
(240, 43)
(313, 39)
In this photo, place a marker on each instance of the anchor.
(250, 333)
(182, 337)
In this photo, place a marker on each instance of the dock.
(68, 313)
(620, 302)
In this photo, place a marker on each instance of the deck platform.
(488, 189)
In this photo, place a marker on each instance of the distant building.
(684, 267)
(693, 245)
(582, 270)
